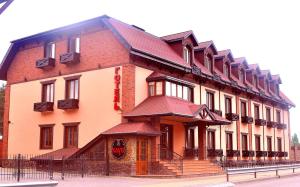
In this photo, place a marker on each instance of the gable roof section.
(180, 36)
(134, 128)
(224, 53)
(205, 45)
(146, 43)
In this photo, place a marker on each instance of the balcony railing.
(282, 154)
(261, 153)
(271, 124)
(214, 152)
(247, 119)
(247, 153)
(219, 112)
(281, 126)
(43, 107)
(68, 104)
(272, 153)
(191, 152)
(70, 58)
(232, 116)
(45, 63)
(232, 153)
(260, 122)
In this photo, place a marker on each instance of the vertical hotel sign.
(117, 79)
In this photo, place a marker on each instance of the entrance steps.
(194, 167)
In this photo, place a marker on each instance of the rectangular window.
(229, 145)
(210, 100)
(228, 105)
(257, 143)
(179, 91)
(151, 88)
(243, 108)
(72, 89)
(279, 145)
(71, 136)
(74, 45)
(49, 50)
(256, 111)
(46, 137)
(269, 143)
(173, 89)
(244, 142)
(211, 139)
(268, 114)
(159, 89)
(278, 118)
(168, 88)
(48, 92)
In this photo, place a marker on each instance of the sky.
(266, 32)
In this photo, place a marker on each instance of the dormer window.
(255, 81)
(187, 54)
(267, 87)
(74, 45)
(208, 63)
(226, 70)
(242, 75)
(277, 89)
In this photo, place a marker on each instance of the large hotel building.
(148, 97)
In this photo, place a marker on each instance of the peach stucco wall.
(95, 114)
(141, 87)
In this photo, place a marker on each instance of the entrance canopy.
(171, 106)
(132, 128)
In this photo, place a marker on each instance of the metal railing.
(170, 157)
(255, 170)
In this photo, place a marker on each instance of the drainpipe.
(274, 131)
(283, 132)
(200, 94)
(220, 125)
(238, 130)
(262, 103)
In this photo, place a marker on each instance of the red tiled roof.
(286, 99)
(204, 45)
(202, 68)
(223, 77)
(277, 78)
(176, 36)
(137, 128)
(254, 66)
(147, 43)
(167, 106)
(57, 154)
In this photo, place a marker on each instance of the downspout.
(262, 110)
(274, 131)
(283, 133)
(220, 125)
(238, 130)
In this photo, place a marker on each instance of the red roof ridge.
(177, 35)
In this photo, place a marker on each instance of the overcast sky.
(266, 32)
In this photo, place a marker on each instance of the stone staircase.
(194, 167)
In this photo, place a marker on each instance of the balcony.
(261, 153)
(281, 126)
(43, 107)
(45, 63)
(191, 152)
(232, 116)
(282, 154)
(247, 153)
(70, 58)
(272, 153)
(247, 119)
(219, 112)
(232, 153)
(271, 124)
(260, 122)
(214, 152)
(68, 104)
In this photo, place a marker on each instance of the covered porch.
(183, 127)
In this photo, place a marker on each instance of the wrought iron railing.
(171, 157)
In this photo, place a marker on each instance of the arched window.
(226, 70)
(187, 54)
(208, 63)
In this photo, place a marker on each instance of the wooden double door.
(142, 154)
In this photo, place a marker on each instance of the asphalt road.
(286, 181)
